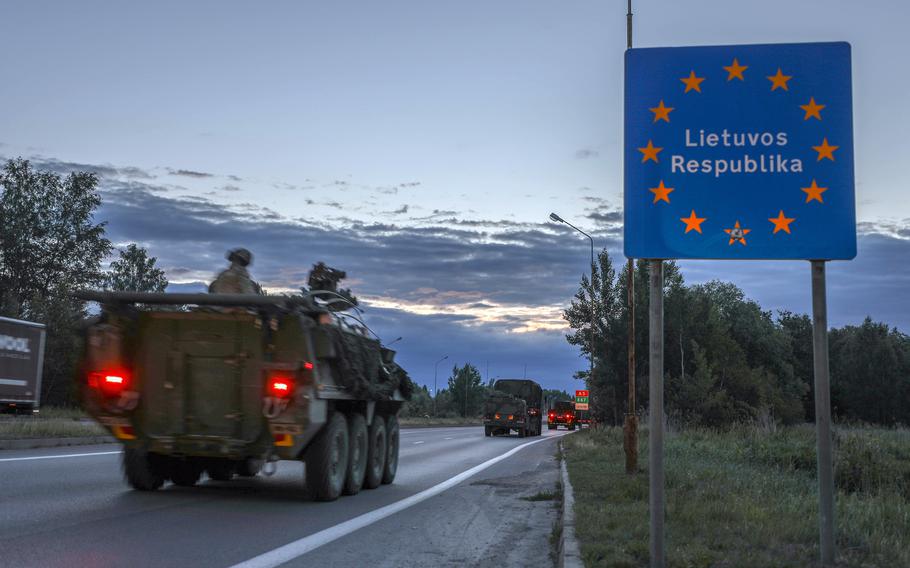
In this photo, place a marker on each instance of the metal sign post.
(656, 413)
(823, 413)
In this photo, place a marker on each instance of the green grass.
(542, 496)
(50, 423)
(744, 498)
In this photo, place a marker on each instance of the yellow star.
(692, 82)
(661, 112)
(825, 150)
(649, 152)
(812, 109)
(781, 223)
(735, 70)
(814, 192)
(661, 192)
(693, 223)
(737, 234)
(779, 80)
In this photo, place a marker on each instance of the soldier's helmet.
(241, 256)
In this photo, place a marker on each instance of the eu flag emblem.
(739, 152)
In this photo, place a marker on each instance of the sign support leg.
(656, 413)
(823, 413)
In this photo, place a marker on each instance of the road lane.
(77, 510)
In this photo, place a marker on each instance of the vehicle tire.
(186, 472)
(551, 427)
(358, 444)
(249, 467)
(392, 436)
(220, 469)
(377, 453)
(143, 470)
(571, 426)
(522, 432)
(488, 431)
(327, 460)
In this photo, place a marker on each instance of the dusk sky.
(420, 146)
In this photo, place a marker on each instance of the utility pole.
(630, 424)
(435, 385)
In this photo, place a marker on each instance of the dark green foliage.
(726, 360)
(135, 271)
(870, 373)
(466, 390)
(49, 246)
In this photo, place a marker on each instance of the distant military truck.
(227, 384)
(21, 365)
(514, 404)
(562, 414)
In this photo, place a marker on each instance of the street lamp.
(557, 219)
(435, 389)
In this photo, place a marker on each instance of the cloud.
(475, 289)
(101, 170)
(190, 173)
(586, 153)
(401, 210)
(230, 188)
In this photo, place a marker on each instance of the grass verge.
(50, 423)
(744, 498)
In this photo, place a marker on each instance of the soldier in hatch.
(236, 279)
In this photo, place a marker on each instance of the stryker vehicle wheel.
(327, 460)
(220, 469)
(487, 431)
(377, 453)
(522, 432)
(357, 455)
(392, 433)
(186, 473)
(144, 471)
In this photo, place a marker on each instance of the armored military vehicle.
(227, 384)
(562, 414)
(514, 404)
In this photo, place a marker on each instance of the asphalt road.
(70, 507)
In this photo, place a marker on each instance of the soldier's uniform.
(236, 278)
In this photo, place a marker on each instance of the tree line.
(463, 396)
(51, 245)
(726, 360)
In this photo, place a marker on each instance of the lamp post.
(557, 219)
(435, 389)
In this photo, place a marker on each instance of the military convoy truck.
(514, 404)
(562, 414)
(21, 364)
(227, 384)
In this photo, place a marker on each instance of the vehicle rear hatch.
(199, 377)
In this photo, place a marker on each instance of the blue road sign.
(739, 152)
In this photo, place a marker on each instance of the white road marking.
(419, 442)
(306, 544)
(449, 438)
(59, 456)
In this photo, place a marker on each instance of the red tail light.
(280, 386)
(110, 383)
